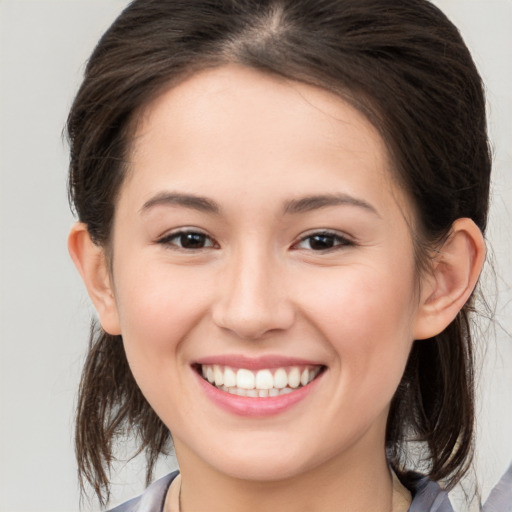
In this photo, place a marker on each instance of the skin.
(255, 145)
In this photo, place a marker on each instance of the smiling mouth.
(262, 383)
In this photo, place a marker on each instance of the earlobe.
(455, 273)
(91, 262)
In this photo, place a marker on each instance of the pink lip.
(256, 363)
(255, 407)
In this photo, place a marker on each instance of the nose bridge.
(252, 299)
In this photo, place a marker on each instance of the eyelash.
(338, 241)
(179, 235)
(322, 237)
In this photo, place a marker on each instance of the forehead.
(254, 103)
(234, 126)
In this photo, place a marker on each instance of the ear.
(455, 273)
(90, 260)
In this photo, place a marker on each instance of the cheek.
(158, 308)
(367, 318)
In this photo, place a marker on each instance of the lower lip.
(249, 406)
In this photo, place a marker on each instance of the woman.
(281, 213)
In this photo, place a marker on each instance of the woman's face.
(260, 239)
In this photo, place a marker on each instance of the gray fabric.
(152, 500)
(427, 496)
(500, 499)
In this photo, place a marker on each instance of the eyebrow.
(294, 206)
(315, 202)
(193, 202)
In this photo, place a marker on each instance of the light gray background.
(44, 311)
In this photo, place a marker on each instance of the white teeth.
(255, 393)
(263, 383)
(294, 378)
(229, 378)
(245, 379)
(264, 379)
(280, 378)
(219, 376)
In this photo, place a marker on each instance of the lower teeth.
(255, 393)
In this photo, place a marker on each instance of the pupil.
(192, 240)
(320, 242)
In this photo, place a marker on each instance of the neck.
(353, 482)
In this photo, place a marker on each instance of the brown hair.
(400, 62)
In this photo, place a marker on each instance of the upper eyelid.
(331, 232)
(182, 230)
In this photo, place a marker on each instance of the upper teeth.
(266, 379)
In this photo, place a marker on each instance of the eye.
(188, 240)
(322, 241)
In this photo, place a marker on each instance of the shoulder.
(428, 496)
(153, 498)
(500, 499)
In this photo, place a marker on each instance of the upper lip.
(255, 363)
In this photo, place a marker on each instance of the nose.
(253, 299)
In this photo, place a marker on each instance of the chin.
(274, 461)
(262, 470)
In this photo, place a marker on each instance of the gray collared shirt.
(427, 496)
